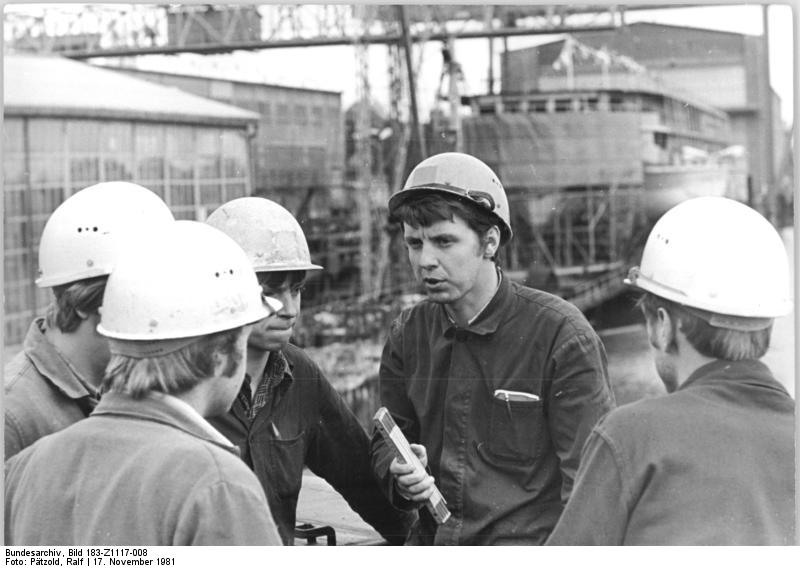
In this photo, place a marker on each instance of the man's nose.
(290, 303)
(427, 257)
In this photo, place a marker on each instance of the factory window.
(265, 110)
(211, 195)
(660, 139)
(180, 153)
(537, 106)
(46, 139)
(316, 116)
(208, 153)
(149, 142)
(117, 150)
(563, 105)
(234, 152)
(300, 115)
(283, 113)
(13, 152)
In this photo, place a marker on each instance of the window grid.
(193, 168)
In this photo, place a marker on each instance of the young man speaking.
(495, 384)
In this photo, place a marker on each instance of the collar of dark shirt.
(489, 318)
(277, 371)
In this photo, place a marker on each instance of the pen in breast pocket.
(275, 431)
(515, 396)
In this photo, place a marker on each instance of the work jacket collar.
(750, 371)
(490, 318)
(52, 365)
(164, 409)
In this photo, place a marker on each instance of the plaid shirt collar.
(276, 372)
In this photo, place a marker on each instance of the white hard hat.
(184, 281)
(268, 233)
(461, 175)
(720, 256)
(81, 238)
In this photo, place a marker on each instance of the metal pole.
(769, 143)
(412, 84)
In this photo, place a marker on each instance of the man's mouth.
(432, 281)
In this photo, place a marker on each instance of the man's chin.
(439, 297)
(272, 343)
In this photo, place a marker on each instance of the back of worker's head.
(74, 302)
(708, 340)
(81, 240)
(175, 307)
(721, 270)
(453, 184)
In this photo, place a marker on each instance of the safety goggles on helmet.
(451, 173)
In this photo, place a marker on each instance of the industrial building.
(68, 125)
(298, 150)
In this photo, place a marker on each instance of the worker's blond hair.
(175, 372)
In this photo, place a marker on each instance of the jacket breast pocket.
(285, 463)
(517, 430)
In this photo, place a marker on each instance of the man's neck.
(256, 364)
(689, 360)
(466, 308)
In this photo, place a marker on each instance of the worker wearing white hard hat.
(495, 384)
(286, 395)
(146, 467)
(712, 462)
(53, 381)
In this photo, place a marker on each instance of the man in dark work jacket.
(497, 385)
(287, 415)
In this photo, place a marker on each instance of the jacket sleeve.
(393, 397)
(596, 513)
(227, 513)
(340, 454)
(11, 435)
(579, 395)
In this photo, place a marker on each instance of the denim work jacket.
(710, 464)
(144, 471)
(504, 466)
(42, 393)
(307, 424)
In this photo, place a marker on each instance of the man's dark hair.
(430, 208)
(708, 340)
(84, 296)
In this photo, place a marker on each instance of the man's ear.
(666, 328)
(220, 362)
(491, 242)
(83, 315)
